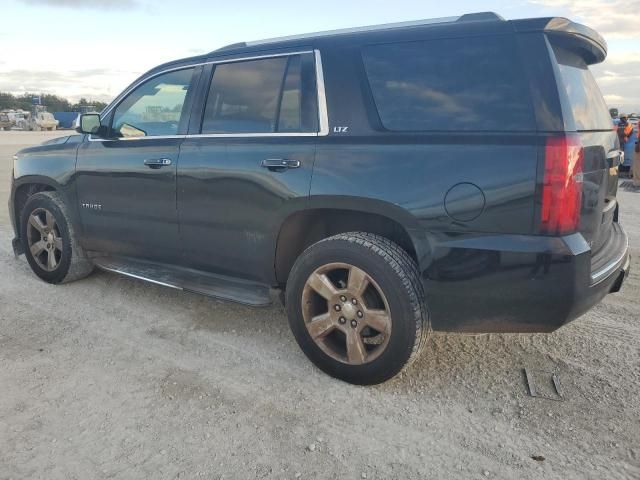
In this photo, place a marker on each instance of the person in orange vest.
(627, 142)
(635, 171)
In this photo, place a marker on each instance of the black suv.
(448, 175)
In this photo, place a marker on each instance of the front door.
(247, 165)
(126, 184)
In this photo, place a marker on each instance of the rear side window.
(262, 96)
(589, 109)
(469, 84)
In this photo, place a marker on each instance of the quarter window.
(462, 84)
(154, 108)
(590, 112)
(262, 96)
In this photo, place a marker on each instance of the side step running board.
(190, 280)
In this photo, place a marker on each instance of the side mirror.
(88, 123)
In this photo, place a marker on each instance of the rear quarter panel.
(417, 173)
(467, 199)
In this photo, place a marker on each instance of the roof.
(592, 45)
(469, 17)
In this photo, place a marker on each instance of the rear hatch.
(586, 113)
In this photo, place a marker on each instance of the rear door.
(586, 112)
(247, 162)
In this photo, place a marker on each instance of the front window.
(155, 108)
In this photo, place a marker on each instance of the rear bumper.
(516, 283)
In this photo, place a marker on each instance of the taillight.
(562, 185)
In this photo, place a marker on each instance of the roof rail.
(469, 17)
(230, 46)
(481, 17)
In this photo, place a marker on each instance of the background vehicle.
(20, 118)
(391, 180)
(5, 122)
(40, 119)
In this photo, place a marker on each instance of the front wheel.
(49, 238)
(356, 307)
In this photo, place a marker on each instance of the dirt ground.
(111, 377)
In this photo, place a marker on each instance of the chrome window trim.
(128, 139)
(323, 116)
(252, 135)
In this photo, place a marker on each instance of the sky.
(95, 48)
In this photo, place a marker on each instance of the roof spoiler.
(585, 41)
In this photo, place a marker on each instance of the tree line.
(53, 103)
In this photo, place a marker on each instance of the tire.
(70, 261)
(392, 291)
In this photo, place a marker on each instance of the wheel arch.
(306, 227)
(25, 187)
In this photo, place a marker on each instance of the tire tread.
(80, 265)
(407, 273)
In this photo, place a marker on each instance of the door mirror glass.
(88, 123)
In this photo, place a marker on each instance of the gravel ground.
(115, 378)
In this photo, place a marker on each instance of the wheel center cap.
(348, 310)
(50, 237)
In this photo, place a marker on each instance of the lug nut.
(354, 324)
(360, 314)
(337, 307)
(354, 301)
(343, 298)
(342, 320)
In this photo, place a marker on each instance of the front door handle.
(275, 164)
(157, 162)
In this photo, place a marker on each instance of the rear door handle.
(279, 163)
(157, 162)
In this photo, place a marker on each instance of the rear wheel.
(356, 307)
(50, 244)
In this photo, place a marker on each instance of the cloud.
(613, 99)
(94, 4)
(611, 18)
(71, 84)
(619, 75)
(620, 82)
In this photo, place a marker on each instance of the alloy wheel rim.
(44, 239)
(346, 313)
